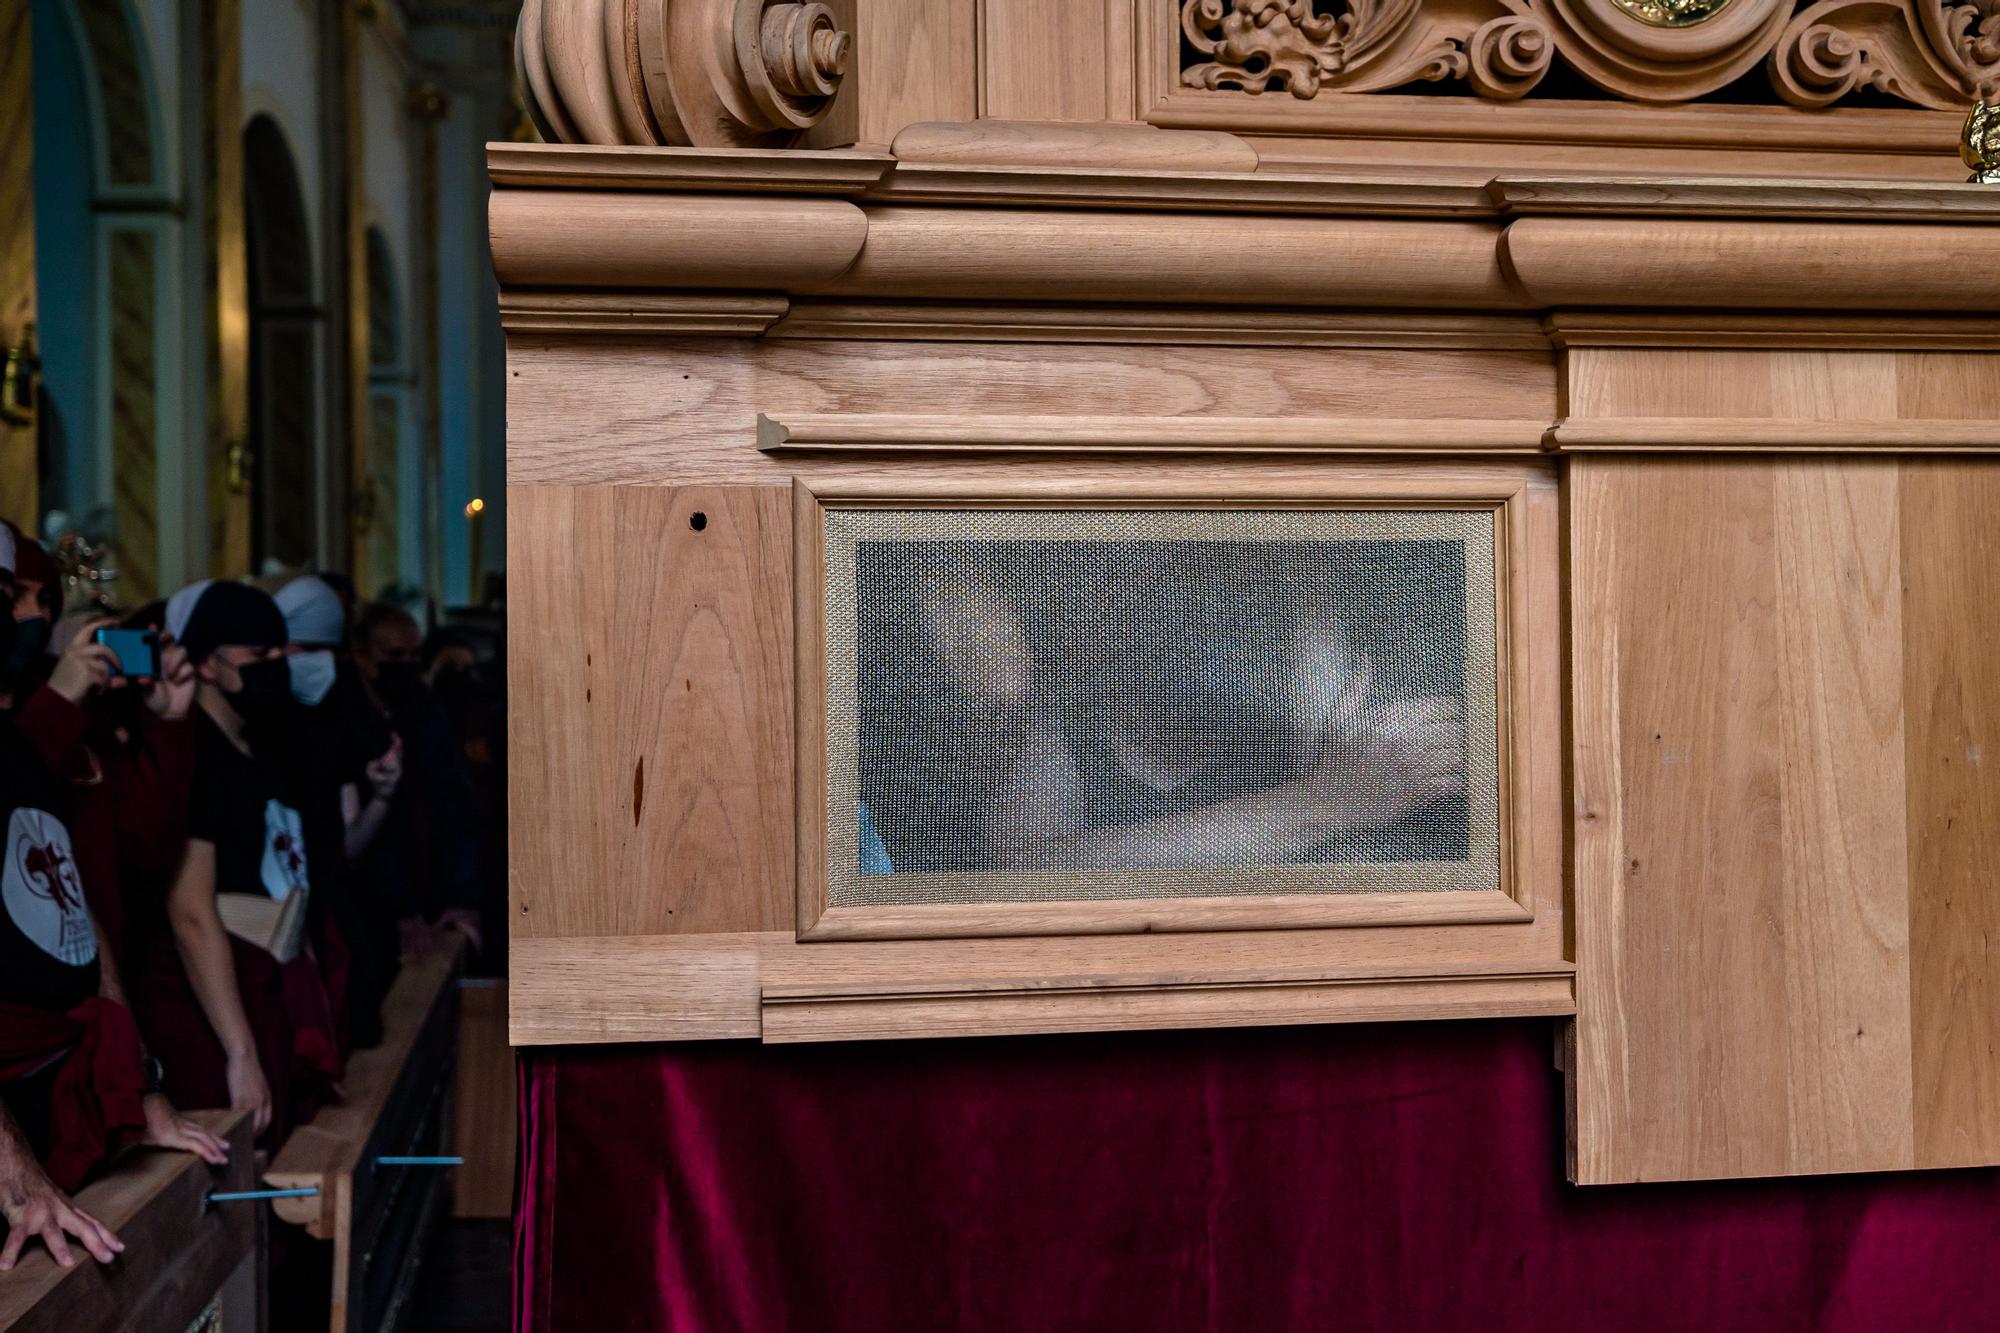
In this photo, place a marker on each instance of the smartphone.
(137, 650)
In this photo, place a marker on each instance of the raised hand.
(1407, 755)
(85, 666)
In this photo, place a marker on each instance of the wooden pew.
(181, 1253)
(484, 1101)
(398, 1103)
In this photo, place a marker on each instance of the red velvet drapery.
(1398, 1176)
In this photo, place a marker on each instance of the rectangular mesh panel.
(1078, 705)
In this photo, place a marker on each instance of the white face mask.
(312, 676)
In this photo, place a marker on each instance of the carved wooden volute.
(688, 73)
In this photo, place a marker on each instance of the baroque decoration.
(687, 73)
(1932, 53)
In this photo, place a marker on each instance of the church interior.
(997, 665)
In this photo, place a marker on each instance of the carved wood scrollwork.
(701, 73)
(1932, 53)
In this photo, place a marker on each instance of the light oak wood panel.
(651, 734)
(179, 1250)
(1785, 888)
(1838, 386)
(588, 411)
(1042, 60)
(1951, 567)
(1669, 925)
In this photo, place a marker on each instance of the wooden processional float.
(1044, 515)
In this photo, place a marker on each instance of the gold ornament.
(1672, 13)
(1979, 145)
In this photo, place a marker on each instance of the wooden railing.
(184, 1257)
(398, 1104)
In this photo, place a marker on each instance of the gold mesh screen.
(1071, 705)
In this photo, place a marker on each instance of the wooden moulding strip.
(1162, 915)
(1263, 192)
(1695, 196)
(1046, 144)
(889, 433)
(830, 1016)
(1206, 326)
(1775, 434)
(615, 312)
(1719, 328)
(703, 170)
(1357, 974)
(179, 1250)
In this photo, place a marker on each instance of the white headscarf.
(181, 605)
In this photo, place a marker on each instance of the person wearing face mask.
(246, 1030)
(429, 828)
(33, 592)
(75, 1080)
(350, 765)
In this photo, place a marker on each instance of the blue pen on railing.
(420, 1161)
(240, 1196)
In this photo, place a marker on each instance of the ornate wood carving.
(686, 73)
(1933, 53)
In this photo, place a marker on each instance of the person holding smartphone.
(74, 1078)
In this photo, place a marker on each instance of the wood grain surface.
(652, 728)
(1783, 824)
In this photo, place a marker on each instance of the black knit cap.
(232, 613)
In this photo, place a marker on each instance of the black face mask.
(31, 637)
(266, 694)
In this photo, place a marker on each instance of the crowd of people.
(216, 854)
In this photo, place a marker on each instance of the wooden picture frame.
(1219, 486)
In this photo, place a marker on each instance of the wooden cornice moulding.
(1776, 434)
(1858, 332)
(1322, 193)
(1753, 265)
(615, 312)
(1024, 254)
(892, 433)
(840, 171)
(577, 238)
(1128, 147)
(1196, 326)
(830, 1013)
(1695, 196)
(768, 985)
